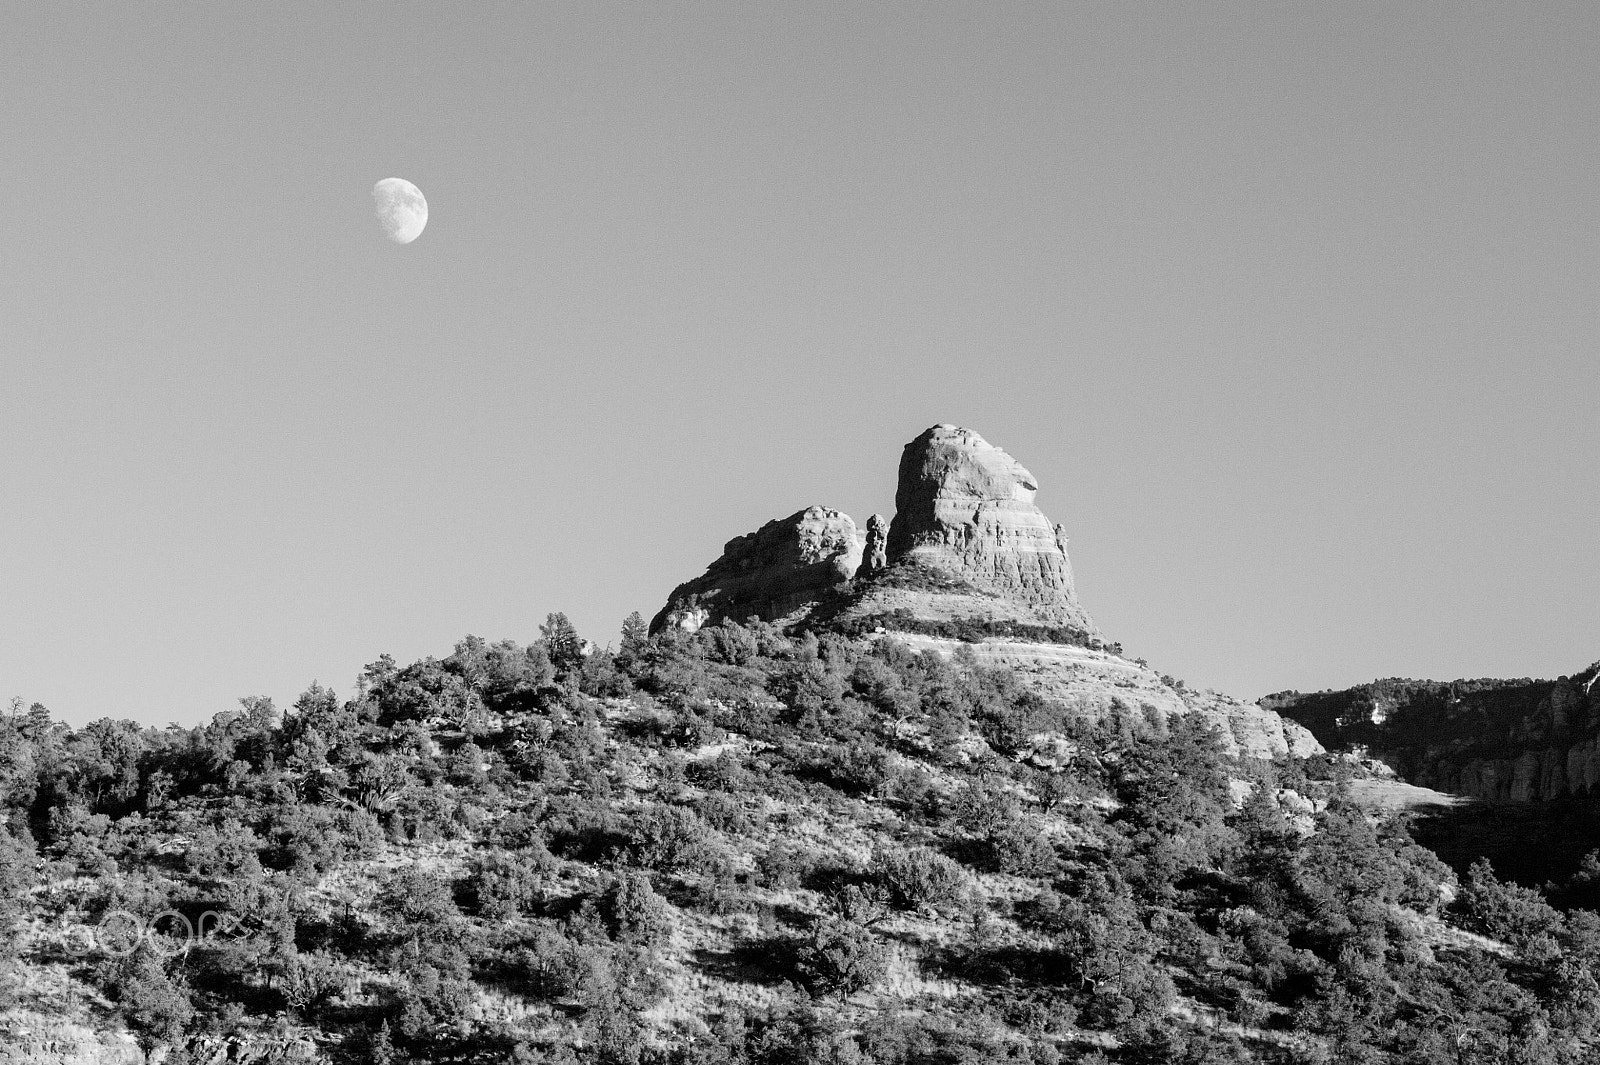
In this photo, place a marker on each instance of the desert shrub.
(549, 964)
(920, 878)
(429, 999)
(805, 1036)
(1020, 848)
(602, 676)
(635, 914)
(229, 849)
(729, 642)
(306, 841)
(582, 830)
(311, 981)
(507, 884)
(150, 1000)
(426, 814)
(17, 860)
(782, 866)
(517, 830)
(420, 903)
(725, 772)
(838, 958)
(672, 839)
(1505, 911)
(856, 769)
(723, 813)
(426, 689)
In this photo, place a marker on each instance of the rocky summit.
(969, 567)
(965, 508)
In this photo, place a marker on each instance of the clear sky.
(1290, 308)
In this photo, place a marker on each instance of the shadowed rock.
(776, 572)
(876, 556)
(1506, 740)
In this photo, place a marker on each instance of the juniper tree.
(561, 641)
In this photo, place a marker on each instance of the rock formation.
(875, 558)
(964, 509)
(1509, 740)
(777, 572)
(968, 562)
(1101, 686)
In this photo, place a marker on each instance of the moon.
(401, 209)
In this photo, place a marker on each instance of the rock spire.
(875, 558)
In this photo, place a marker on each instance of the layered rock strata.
(964, 509)
(1101, 686)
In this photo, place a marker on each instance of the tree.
(638, 915)
(157, 1009)
(561, 641)
(35, 726)
(635, 638)
(380, 1049)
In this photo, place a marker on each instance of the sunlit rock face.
(777, 572)
(965, 508)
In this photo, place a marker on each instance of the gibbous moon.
(401, 210)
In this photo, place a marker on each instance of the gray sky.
(1290, 308)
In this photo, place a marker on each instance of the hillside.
(848, 799)
(737, 845)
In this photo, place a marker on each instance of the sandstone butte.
(969, 561)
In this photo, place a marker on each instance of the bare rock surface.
(777, 572)
(1100, 685)
(964, 508)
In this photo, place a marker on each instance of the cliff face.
(1515, 740)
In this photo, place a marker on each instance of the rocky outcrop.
(968, 562)
(964, 510)
(1509, 740)
(775, 573)
(1101, 686)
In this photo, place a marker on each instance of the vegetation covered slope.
(739, 846)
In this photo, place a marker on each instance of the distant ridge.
(1512, 740)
